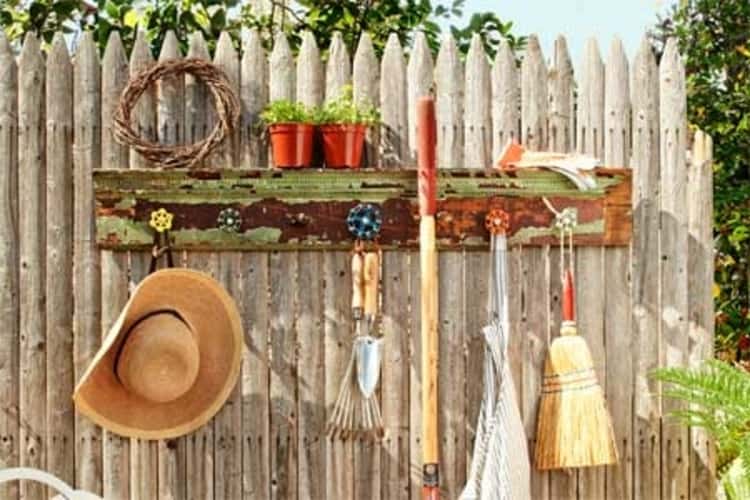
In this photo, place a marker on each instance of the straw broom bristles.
(574, 428)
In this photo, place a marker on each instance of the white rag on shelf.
(574, 166)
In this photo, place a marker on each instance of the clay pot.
(292, 144)
(342, 145)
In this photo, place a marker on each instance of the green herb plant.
(343, 110)
(285, 111)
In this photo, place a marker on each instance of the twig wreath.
(183, 155)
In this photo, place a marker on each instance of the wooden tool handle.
(426, 142)
(426, 145)
(358, 287)
(568, 297)
(372, 275)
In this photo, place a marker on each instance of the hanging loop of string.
(565, 221)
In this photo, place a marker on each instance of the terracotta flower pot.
(342, 145)
(292, 144)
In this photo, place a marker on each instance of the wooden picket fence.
(639, 308)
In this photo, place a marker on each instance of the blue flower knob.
(364, 221)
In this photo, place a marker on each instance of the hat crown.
(159, 359)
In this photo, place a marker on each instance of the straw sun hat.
(170, 360)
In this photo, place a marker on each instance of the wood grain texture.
(339, 332)
(200, 463)
(674, 241)
(228, 421)
(643, 309)
(506, 94)
(253, 97)
(619, 378)
(645, 272)
(366, 83)
(59, 261)
(170, 129)
(310, 82)
(144, 112)
(415, 378)
(477, 108)
(451, 401)
(338, 69)
(32, 246)
(311, 377)
(393, 102)
(281, 71)
(394, 454)
(283, 388)
(534, 97)
(199, 445)
(265, 200)
(114, 266)
(256, 442)
(9, 305)
(86, 271)
(534, 286)
(227, 457)
(590, 120)
(700, 304)
(477, 274)
(561, 101)
(449, 104)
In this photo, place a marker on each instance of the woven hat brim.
(213, 317)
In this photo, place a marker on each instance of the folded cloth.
(575, 167)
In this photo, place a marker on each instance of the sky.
(578, 20)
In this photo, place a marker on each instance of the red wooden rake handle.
(426, 145)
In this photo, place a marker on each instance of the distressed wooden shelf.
(268, 199)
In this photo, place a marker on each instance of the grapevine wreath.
(183, 155)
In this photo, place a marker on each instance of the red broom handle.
(429, 296)
(568, 298)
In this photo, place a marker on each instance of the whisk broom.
(574, 428)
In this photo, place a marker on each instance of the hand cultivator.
(357, 412)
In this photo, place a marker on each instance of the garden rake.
(357, 412)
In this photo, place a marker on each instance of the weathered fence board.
(59, 261)
(31, 242)
(199, 446)
(673, 243)
(366, 83)
(86, 271)
(114, 268)
(701, 312)
(638, 308)
(9, 306)
(618, 383)
(645, 273)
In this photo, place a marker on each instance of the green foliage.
(719, 402)
(713, 35)
(343, 109)
(736, 481)
(284, 111)
(156, 18)
(351, 18)
(43, 17)
(379, 18)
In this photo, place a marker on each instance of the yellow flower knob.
(161, 220)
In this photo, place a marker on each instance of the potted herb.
(343, 124)
(291, 130)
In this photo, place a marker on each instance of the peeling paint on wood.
(268, 200)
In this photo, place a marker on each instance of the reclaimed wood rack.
(307, 209)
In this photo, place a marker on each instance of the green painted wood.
(268, 200)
